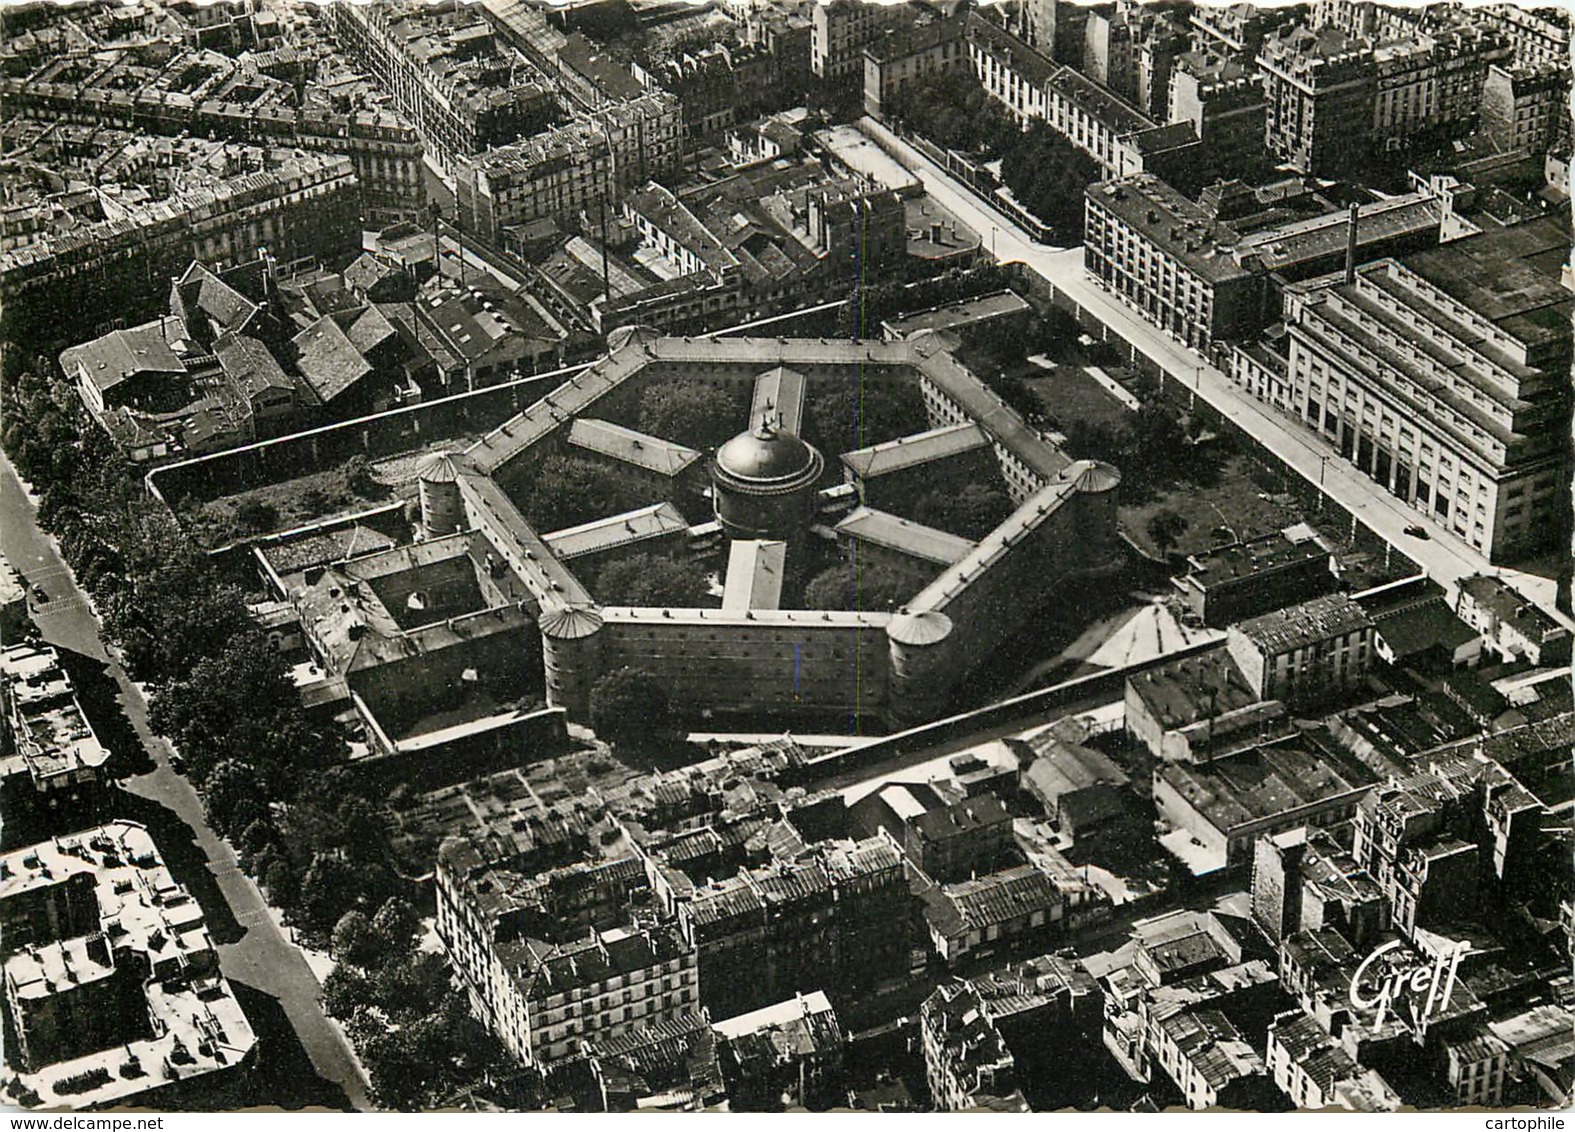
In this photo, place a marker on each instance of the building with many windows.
(464, 91)
(1167, 256)
(908, 57)
(1445, 384)
(1305, 651)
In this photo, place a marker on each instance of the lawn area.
(1069, 394)
(292, 503)
(1236, 500)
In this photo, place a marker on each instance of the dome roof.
(440, 467)
(766, 454)
(1094, 475)
(928, 627)
(570, 623)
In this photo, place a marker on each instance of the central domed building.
(763, 483)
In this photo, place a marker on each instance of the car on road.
(1417, 532)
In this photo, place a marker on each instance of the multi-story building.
(1243, 579)
(1457, 832)
(1334, 96)
(1204, 1053)
(966, 1061)
(1428, 87)
(1238, 30)
(1054, 28)
(61, 286)
(1223, 100)
(825, 921)
(1510, 625)
(572, 169)
(1444, 388)
(1319, 89)
(1304, 652)
(1315, 1072)
(842, 29)
(1539, 36)
(909, 57)
(721, 85)
(464, 91)
(1096, 120)
(112, 981)
(1526, 108)
(48, 737)
(1166, 256)
(559, 959)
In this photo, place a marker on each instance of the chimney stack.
(1350, 244)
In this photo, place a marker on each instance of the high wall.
(787, 662)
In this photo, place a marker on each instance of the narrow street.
(253, 952)
(1444, 557)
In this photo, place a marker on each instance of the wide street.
(259, 956)
(1443, 556)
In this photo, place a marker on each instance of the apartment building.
(842, 29)
(463, 90)
(1306, 651)
(1319, 89)
(910, 57)
(1444, 385)
(1526, 107)
(1166, 256)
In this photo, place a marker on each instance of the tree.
(692, 413)
(569, 490)
(857, 586)
(356, 474)
(283, 883)
(973, 512)
(411, 985)
(628, 705)
(1047, 174)
(330, 883)
(650, 579)
(846, 417)
(256, 516)
(1165, 528)
(353, 940)
(347, 989)
(395, 925)
(230, 784)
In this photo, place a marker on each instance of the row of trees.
(1046, 173)
(272, 782)
(870, 304)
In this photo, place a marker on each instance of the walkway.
(1443, 556)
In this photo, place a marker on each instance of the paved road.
(262, 958)
(1444, 557)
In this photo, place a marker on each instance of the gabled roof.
(369, 329)
(328, 360)
(122, 354)
(248, 365)
(201, 290)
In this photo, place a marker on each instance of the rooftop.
(600, 535)
(52, 737)
(1266, 782)
(1254, 558)
(1186, 691)
(964, 312)
(1321, 619)
(142, 918)
(920, 448)
(651, 453)
(865, 524)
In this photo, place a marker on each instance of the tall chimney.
(1350, 245)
